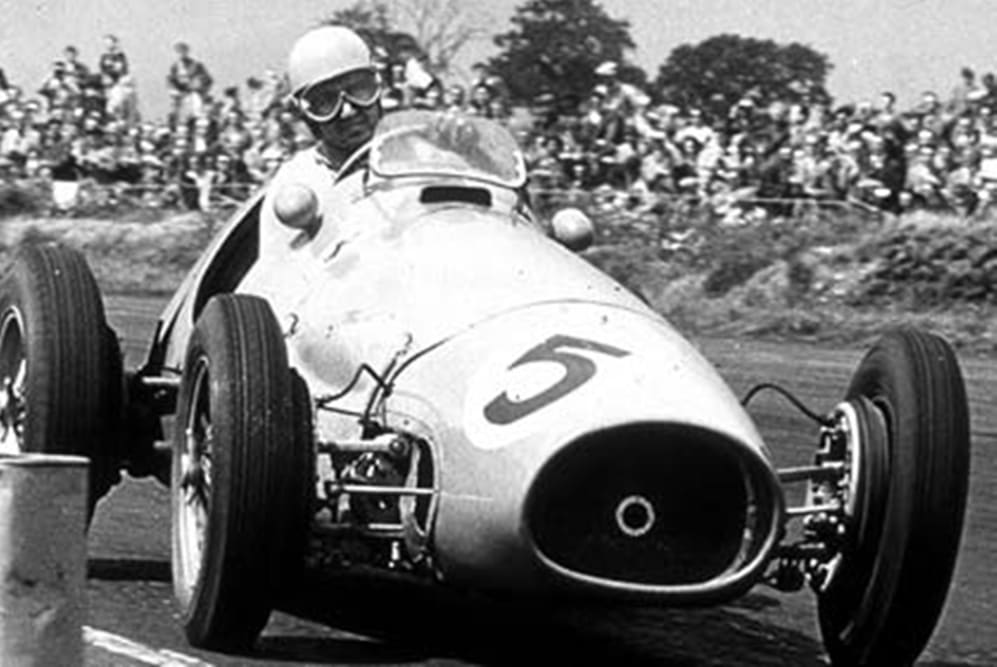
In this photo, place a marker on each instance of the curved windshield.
(430, 143)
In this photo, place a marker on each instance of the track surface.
(130, 593)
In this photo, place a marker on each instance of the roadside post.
(42, 559)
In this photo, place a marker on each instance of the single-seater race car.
(411, 374)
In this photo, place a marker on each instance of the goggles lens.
(323, 101)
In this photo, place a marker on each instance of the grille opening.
(654, 504)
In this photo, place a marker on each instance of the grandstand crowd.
(83, 124)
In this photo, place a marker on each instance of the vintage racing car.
(411, 373)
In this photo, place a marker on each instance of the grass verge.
(802, 281)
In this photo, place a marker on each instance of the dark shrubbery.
(37, 235)
(17, 200)
(923, 264)
(926, 268)
(734, 254)
(728, 273)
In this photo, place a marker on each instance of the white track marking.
(118, 645)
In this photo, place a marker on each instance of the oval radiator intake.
(655, 506)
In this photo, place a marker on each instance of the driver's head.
(335, 87)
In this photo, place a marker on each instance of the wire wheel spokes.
(195, 480)
(13, 384)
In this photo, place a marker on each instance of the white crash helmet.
(324, 53)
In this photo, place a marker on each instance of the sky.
(906, 46)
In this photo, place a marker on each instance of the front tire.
(883, 601)
(60, 365)
(237, 474)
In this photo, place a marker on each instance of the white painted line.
(182, 659)
(118, 645)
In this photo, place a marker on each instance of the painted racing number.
(578, 370)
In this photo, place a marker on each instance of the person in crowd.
(203, 137)
(263, 95)
(497, 110)
(986, 94)
(122, 101)
(75, 70)
(58, 89)
(620, 95)
(685, 162)
(190, 84)
(454, 98)
(623, 99)
(230, 101)
(419, 82)
(986, 177)
(924, 183)
(431, 98)
(480, 102)
(397, 94)
(233, 179)
(93, 97)
(233, 136)
(113, 63)
(482, 76)
(960, 192)
(12, 147)
(696, 128)
(886, 112)
(4, 87)
(959, 100)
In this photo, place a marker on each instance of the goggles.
(323, 101)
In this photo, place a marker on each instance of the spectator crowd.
(84, 125)
(941, 154)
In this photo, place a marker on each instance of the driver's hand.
(454, 131)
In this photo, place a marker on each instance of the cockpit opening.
(442, 194)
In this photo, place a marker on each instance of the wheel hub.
(840, 446)
(830, 511)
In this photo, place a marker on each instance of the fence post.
(42, 559)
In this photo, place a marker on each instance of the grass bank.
(128, 256)
(823, 277)
(841, 279)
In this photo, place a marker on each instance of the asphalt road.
(132, 616)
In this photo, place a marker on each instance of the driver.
(336, 91)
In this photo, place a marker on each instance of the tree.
(433, 30)
(718, 72)
(554, 48)
(441, 27)
(368, 19)
(373, 22)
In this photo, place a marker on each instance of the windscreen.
(426, 143)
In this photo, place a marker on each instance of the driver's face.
(351, 129)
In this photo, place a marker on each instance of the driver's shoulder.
(305, 168)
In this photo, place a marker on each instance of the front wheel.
(240, 462)
(60, 365)
(884, 597)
